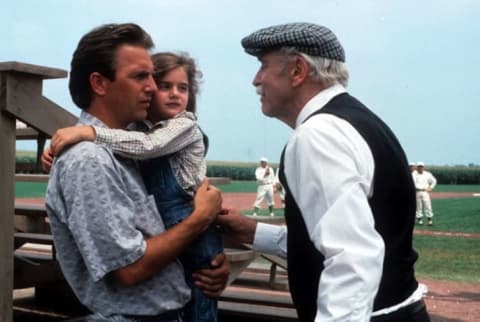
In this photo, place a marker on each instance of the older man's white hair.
(326, 70)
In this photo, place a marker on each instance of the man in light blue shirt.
(110, 239)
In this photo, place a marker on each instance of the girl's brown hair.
(166, 61)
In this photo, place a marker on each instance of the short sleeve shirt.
(101, 216)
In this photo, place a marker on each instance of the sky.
(414, 63)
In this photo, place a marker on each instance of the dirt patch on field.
(452, 302)
(244, 201)
(446, 234)
(447, 195)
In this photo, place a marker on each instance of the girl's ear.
(299, 71)
(99, 83)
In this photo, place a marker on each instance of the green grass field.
(446, 258)
(250, 186)
(457, 188)
(456, 214)
(239, 186)
(30, 189)
(33, 189)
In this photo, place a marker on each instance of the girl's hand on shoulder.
(70, 135)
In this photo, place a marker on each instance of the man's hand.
(47, 160)
(237, 226)
(213, 280)
(207, 204)
(70, 135)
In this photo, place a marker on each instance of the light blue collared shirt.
(101, 216)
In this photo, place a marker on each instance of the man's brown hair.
(96, 53)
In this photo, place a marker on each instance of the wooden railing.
(21, 98)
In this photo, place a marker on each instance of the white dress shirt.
(329, 169)
(271, 239)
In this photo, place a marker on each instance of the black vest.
(393, 206)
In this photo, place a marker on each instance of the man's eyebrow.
(141, 73)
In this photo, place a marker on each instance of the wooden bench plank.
(34, 256)
(32, 210)
(26, 134)
(252, 310)
(257, 296)
(42, 71)
(239, 255)
(277, 260)
(45, 239)
(31, 177)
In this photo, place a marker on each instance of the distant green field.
(25, 153)
(30, 189)
(239, 186)
(457, 188)
(250, 186)
(457, 214)
(447, 258)
(455, 259)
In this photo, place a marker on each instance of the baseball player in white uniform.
(424, 184)
(265, 180)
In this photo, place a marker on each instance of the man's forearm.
(162, 250)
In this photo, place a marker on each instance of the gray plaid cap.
(307, 38)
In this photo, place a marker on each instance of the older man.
(350, 199)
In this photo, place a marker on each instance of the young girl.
(172, 149)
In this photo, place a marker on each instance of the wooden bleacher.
(21, 99)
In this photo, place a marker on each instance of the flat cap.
(308, 38)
